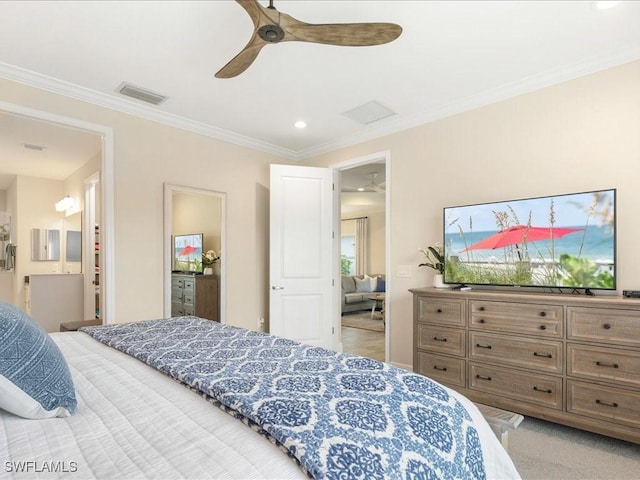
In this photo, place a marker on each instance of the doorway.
(66, 137)
(190, 210)
(363, 250)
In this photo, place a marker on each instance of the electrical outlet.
(261, 324)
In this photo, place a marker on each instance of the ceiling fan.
(371, 187)
(272, 26)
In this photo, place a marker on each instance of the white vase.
(208, 271)
(437, 281)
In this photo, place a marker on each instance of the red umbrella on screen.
(187, 250)
(520, 234)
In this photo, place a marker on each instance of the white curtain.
(362, 252)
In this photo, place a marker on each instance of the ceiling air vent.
(141, 94)
(369, 113)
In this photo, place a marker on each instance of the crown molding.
(385, 127)
(54, 85)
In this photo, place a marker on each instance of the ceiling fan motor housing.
(271, 33)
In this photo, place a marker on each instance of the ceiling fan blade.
(242, 60)
(253, 8)
(345, 34)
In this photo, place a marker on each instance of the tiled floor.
(363, 342)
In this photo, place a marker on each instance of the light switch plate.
(404, 270)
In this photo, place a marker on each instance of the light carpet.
(363, 320)
(546, 451)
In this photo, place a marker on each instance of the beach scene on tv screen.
(188, 253)
(559, 241)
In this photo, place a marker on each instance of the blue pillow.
(35, 381)
(382, 284)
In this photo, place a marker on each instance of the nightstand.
(73, 326)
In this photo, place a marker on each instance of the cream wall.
(148, 154)
(576, 136)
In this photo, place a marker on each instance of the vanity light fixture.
(67, 205)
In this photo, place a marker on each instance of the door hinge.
(333, 282)
(333, 331)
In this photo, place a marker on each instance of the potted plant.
(208, 259)
(434, 258)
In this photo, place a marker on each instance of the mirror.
(72, 228)
(74, 246)
(45, 244)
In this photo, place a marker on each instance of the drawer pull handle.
(543, 327)
(439, 310)
(545, 355)
(606, 326)
(483, 378)
(605, 364)
(481, 309)
(440, 339)
(600, 402)
(442, 369)
(543, 314)
(483, 346)
(544, 390)
(481, 320)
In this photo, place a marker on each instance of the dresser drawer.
(527, 387)
(542, 355)
(522, 318)
(443, 369)
(441, 311)
(602, 363)
(441, 339)
(189, 284)
(614, 404)
(188, 299)
(176, 309)
(619, 327)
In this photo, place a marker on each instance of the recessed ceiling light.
(604, 5)
(300, 124)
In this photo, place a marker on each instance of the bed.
(189, 398)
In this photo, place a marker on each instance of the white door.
(301, 261)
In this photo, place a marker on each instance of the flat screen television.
(562, 241)
(187, 253)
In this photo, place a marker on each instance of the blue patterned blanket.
(340, 416)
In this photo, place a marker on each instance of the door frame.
(107, 240)
(169, 189)
(388, 307)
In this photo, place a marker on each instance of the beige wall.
(148, 154)
(575, 136)
(198, 213)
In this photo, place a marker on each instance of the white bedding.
(134, 422)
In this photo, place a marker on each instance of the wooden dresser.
(569, 359)
(195, 295)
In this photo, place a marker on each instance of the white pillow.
(364, 285)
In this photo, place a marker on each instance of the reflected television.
(564, 241)
(187, 253)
